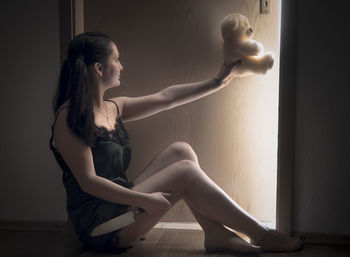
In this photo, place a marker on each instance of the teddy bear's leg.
(250, 47)
(260, 64)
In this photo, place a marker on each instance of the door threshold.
(196, 226)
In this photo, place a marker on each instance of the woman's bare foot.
(276, 241)
(225, 240)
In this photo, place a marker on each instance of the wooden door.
(234, 131)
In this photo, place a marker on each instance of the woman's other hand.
(157, 203)
(226, 73)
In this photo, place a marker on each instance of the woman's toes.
(278, 242)
(296, 244)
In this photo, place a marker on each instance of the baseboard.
(315, 238)
(193, 225)
(10, 225)
(179, 225)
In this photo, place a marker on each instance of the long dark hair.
(83, 51)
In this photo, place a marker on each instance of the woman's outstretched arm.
(135, 108)
(184, 93)
(188, 92)
(180, 94)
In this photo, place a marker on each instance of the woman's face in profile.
(111, 74)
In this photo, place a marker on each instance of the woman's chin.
(117, 83)
(114, 85)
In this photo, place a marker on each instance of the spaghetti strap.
(58, 112)
(52, 126)
(115, 105)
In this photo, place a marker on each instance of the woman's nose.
(121, 66)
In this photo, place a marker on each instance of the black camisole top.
(111, 157)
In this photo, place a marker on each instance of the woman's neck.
(97, 99)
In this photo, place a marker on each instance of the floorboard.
(157, 243)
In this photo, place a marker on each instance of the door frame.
(286, 117)
(72, 24)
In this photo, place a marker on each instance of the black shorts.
(86, 218)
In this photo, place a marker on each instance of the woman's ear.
(97, 67)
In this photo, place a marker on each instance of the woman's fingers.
(167, 195)
(226, 73)
(231, 67)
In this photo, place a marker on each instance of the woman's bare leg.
(216, 235)
(186, 180)
(211, 201)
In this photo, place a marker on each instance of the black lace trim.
(118, 135)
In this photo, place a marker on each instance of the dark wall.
(322, 170)
(30, 180)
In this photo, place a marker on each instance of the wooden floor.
(158, 242)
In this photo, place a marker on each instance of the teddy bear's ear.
(230, 26)
(230, 22)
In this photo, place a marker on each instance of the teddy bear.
(238, 44)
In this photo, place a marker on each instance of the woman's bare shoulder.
(64, 105)
(120, 102)
(63, 135)
(61, 116)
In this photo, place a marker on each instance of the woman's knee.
(187, 170)
(184, 151)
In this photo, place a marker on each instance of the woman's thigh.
(172, 153)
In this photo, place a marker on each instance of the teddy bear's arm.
(250, 47)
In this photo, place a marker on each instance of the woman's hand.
(226, 73)
(157, 203)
